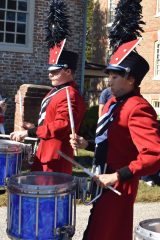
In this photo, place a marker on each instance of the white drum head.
(41, 183)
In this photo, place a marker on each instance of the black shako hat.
(127, 61)
(57, 30)
(124, 36)
(67, 59)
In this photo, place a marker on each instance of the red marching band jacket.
(54, 133)
(133, 144)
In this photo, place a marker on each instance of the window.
(16, 25)
(157, 61)
(111, 10)
(155, 104)
(158, 7)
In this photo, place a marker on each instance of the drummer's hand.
(78, 141)
(27, 125)
(18, 135)
(104, 180)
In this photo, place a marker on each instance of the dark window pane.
(22, 5)
(9, 37)
(21, 28)
(11, 16)
(1, 26)
(20, 39)
(10, 27)
(21, 17)
(2, 14)
(1, 37)
(12, 4)
(2, 3)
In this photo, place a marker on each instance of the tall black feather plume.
(57, 28)
(126, 26)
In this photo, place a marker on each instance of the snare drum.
(41, 205)
(10, 159)
(148, 230)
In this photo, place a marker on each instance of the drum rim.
(14, 187)
(10, 147)
(151, 234)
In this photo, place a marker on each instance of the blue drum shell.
(40, 201)
(10, 159)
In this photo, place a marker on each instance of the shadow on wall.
(98, 35)
(96, 45)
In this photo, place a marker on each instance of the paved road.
(141, 212)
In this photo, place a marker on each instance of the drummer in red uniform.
(54, 124)
(128, 141)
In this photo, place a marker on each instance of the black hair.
(121, 73)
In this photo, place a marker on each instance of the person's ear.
(131, 80)
(68, 71)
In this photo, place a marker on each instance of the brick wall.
(149, 85)
(28, 102)
(31, 68)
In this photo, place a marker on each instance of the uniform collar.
(71, 83)
(135, 92)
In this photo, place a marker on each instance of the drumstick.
(84, 169)
(26, 138)
(71, 117)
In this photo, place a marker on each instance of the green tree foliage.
(96, 36)
(90, 9)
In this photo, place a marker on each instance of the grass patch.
(3, 199)
(147, 193)
(84, 153)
